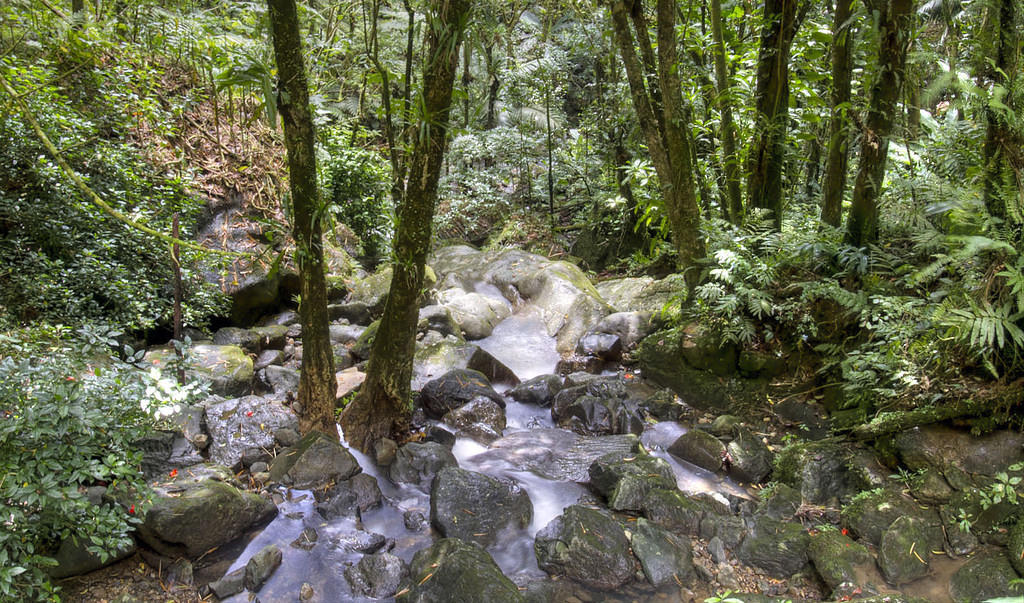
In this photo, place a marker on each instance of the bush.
(67, 423)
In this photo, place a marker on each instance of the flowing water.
(546, 461)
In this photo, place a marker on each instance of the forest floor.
(127, 581)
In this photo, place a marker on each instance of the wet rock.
(663, 405)
(453, 566)
(822, 471)
(588, 415)
(348, 381)
(476, 507)
(230, 584)
(675, 511)
(384, 451)
(538, 391)
(164, 451)
(419, 462)
(983, 577)
(371, 292)
(226, 367)
(475, 314)
(836, 557)
(438, 318)
(345, 498)
(700, 448)
(313, 462)
(261, 566)
(943, 447)
(455, 388)
(630, 327)
(414, 521)
(241, 423)
(281, 380)
(665, 558)
(267, 358)
(907, 534)
(779, 548)
(436, 433)
(602, 345)
(357, 313)
(199, 510)
(585, 545)
(1015, 547)
(750, 458)
(359, 541)
(346, 334)
(378, 576)
(73, 558)
(868, 516)
(306, 592)
(625, 479)
(306, 540)
(481, 419)
(246, 339)
(436, 359)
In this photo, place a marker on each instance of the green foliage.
(68, 422)
(356, 184)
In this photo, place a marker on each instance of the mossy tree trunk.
(999, 138)
(316, 384)
(382, 408)
(656, 91)
(894, 28)
(723, 85)
(838, 157)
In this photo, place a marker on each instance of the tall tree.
(316, 383)
(656, 90)
(723, 85)
(382, 407)
(781, 20)
(837, 160)
(1000, 139)
(895, 22)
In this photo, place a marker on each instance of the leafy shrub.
(69, 414)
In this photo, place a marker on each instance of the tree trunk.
(767, 153)
(998, 135)
(837, 161)
(383, 406)
(491, 120)
(730, 161)
(894, 23)
(656, 91)
(316, 383)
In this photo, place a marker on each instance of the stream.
(533, 452)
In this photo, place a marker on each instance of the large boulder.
(983, 577)
(905, 552)
(539, 391)
(455, 388)
(667, 560)
(677, 512)
(585, 545)
(200, 509)
(419, 462)
(481, 419)
(163, 451)
(625, 479)
(377, 576)
(750, 458)
(822, 471)
(700, 448)
(589, 415)
(641, 294)
(475, 313)
(245, 423)
(477, 507)
(227, 368)
(942, 448)
(349, 498)
(777, 547)
(371, 292)
(869, 515)
(315, 461)
(434, 359)
(456, 570)
(611, 388)
(629, 327)
(838, 559)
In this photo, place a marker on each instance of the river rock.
(663, 405)
(419, 462)
(779, 548)
(267, 358)
(230, 584)
(943, 447)
(378, 576)
(554, 454)
(347, 381)
(358, 541)
(750, 457)
(316, 460)
(475, 314)
(481, 419)
(346, 334)
(281, 380)
(261, 566)
(349, 497)
(241, 423)
(227, 368)
(1015, 546)
(666, 559)
(434, 360)
(870, 515)
(700, 448)
(641, 293)
(605, 346)
(538, 391)
(198, 510)
(164, 451)
(625, 479)
(898, 564)
(629, 327)
(589, 415)
(782, 504)
(246, 339)
(74, 559)
(455, 388)
(983, 577)
(822, 471)
(451, 566)
(603, 388)
(438, 318)
(476, 507)
(836, 558)
(674, 510)
(585, 545)
(357, 313)
(371, 292)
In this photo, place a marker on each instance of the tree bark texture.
(771, 97)
(998, 135)
(837, 160)
(730, 160)
(656, 91)
(383, 406)
(316, 383)
(894, 23)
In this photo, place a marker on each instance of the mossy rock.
(871, 513)
(455, 570)
(984, 577)
(836, 557)
(821, 471)
(1015, 547)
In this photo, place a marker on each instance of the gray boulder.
(589, 415)
(481, 419)
(350, 497)
(434, 359)
(346, 334)
(605, 346)
(870, 515)
(242, 423)
(455, 388)
(476, 507)
(630, 327)
(246, 339)
(750, 457)
(378, 576)
(316, 460)
(419, 462)
(822, 471)
(643, 294)
(538, 391)
(476, 314)
(199, 510)
(164, 451)
(281, 380)
(666, 559)
(983, 577)
(677, 512)
(700, 448)
(227, 368)
(905, 552)
(438, 318)
(838, 559)
(261, 566)
(452, 569)
(779, 548)
(585, 545)
(625, 479)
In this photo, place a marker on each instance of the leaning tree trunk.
(771, 95)
(316, 383)
(383, 406)
(894, 23)
(837, 161)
